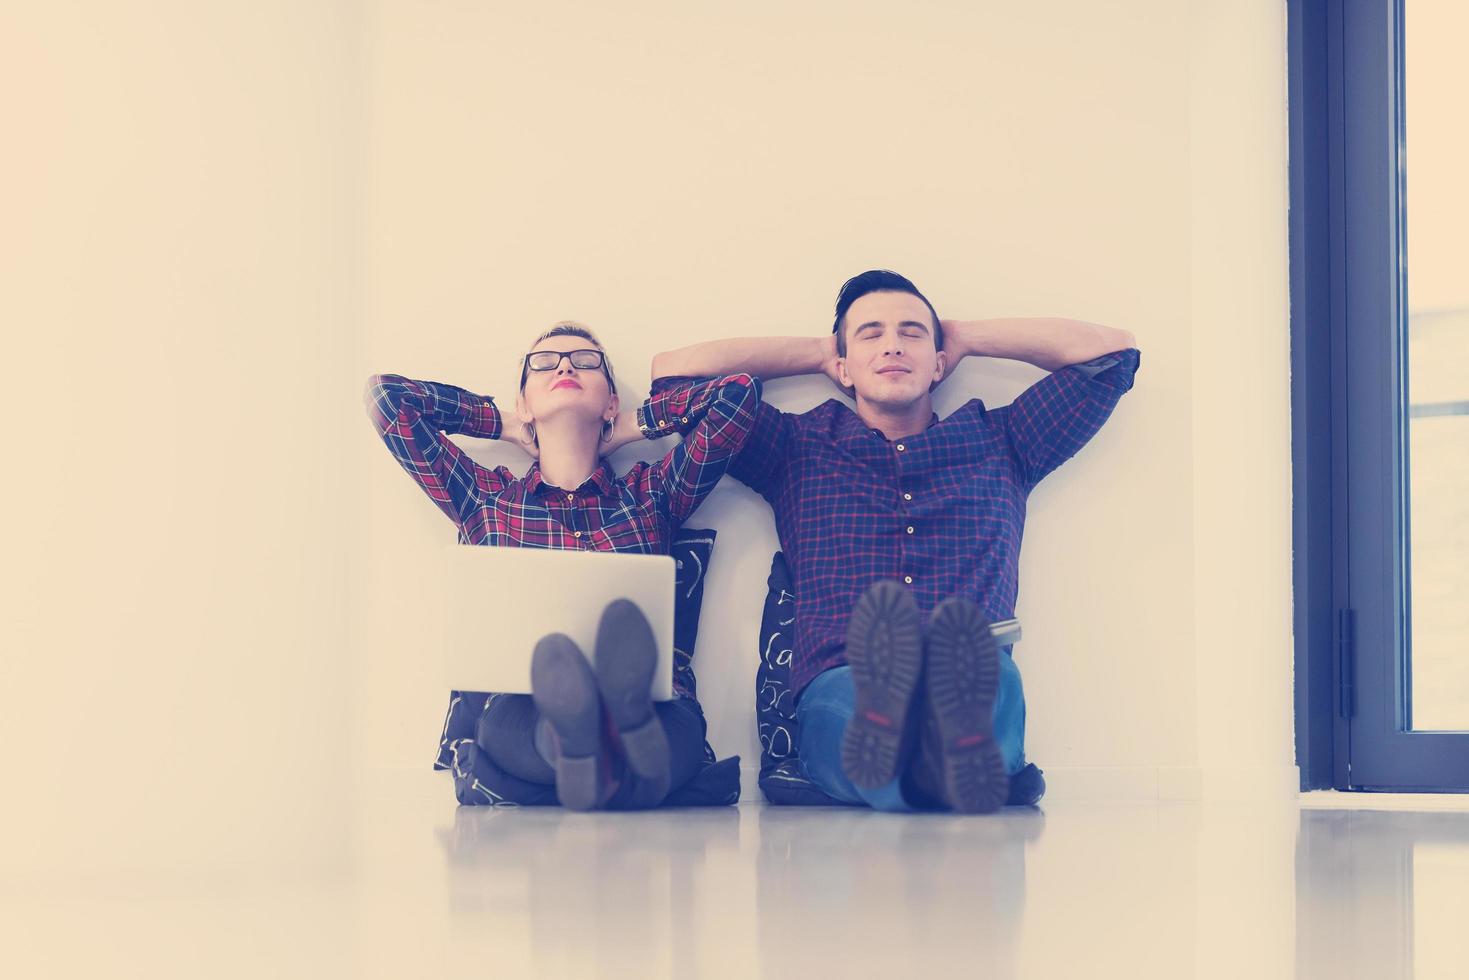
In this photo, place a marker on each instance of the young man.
(889, 514)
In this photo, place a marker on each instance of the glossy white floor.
(1076, 889)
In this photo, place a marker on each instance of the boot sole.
(963, 683)
(627, 656)
(565, 692)
(885, 652)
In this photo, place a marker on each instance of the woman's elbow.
(740, 388)
(374, 388)
(383, 392)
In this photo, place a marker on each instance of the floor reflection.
(1382, 895)
(893, 894)
(607, 894)
(1140, 890)
(1090, 889)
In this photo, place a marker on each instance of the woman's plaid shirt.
(636, 512)
(640, 511)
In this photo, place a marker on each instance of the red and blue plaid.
(638, 512)
(942, 511)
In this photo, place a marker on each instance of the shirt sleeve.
(414, 420)
(1056, 416)
(715, 418)
(760, 463)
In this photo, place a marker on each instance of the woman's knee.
(507, 715)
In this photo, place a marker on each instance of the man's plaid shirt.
(942, 511)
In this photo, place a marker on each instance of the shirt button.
(577, 534)
(907, 579)
(662, 423)
(684, 419)
(907, 496)
(910, 528)
(900, 447)
(571, 498)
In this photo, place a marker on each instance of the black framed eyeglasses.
(549, 360)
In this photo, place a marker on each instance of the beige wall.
(180, 206)
(1240, 443)
(219, 219)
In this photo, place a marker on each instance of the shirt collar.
(600, 481)
(933, 420)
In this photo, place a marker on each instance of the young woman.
(585, 738)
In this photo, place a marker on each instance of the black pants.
(506, 733)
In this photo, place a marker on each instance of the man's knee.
(831, 692)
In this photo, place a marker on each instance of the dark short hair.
(567, 328)
(878, 281)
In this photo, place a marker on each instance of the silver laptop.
(498, 602)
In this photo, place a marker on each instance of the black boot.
(963, 681)
(1027, 786)
(627, 655)
(885, 651)
(565, 691)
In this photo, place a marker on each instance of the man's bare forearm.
(763, 357)
(1047, 342)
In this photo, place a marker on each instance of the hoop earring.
(607, 428)
(530, 430)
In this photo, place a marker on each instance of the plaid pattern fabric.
(942, 511)
(638, 512)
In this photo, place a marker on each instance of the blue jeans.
(826, 706)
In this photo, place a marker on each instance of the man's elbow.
(1103, 341)
(1113, 339)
